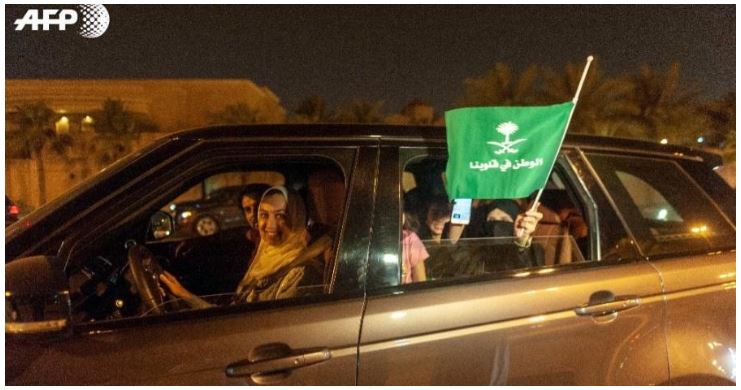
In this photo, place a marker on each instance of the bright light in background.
(87, 123)
(662, 214)
(62, 125)
(390, 258)
(700, 139)
(699, 229)
(664, 141)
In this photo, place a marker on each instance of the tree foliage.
(360, 111)
(236, 114)
(313, 109)
(116, 129)
(502, 87)
(648, 104)
(36, 133)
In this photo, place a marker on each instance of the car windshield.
(110, 172)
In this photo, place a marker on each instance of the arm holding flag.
(525, 225)
(506, 153)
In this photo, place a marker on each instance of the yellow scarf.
(271, 258)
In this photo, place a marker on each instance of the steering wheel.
(146, 271)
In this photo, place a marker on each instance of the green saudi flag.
(502, 152)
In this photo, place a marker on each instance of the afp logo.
(95, 19)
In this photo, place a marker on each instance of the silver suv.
(634, 282)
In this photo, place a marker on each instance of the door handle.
(273, 358)
(604, 303)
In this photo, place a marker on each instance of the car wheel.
(206, 226)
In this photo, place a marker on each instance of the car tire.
(206, 225)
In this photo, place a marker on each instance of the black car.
(636, 286)
(219, 210)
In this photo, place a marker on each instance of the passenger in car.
(499, 219)
(249, 200)
(286, 260)
(436, 219)
(414, 208)
(434, 229)
(489, 219)
(413, 252)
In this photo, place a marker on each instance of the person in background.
(413, 252)
(286, 262)
(512, 229)
(249, 200)
(434, 229)
(436, 218)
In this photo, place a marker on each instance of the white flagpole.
(568, 121)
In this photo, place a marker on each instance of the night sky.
(390, 53)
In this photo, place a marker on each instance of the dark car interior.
(106, 283)
(563, 220)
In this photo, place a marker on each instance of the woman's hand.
(525, 225)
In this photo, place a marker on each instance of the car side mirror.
(160, 226)
(37, 300)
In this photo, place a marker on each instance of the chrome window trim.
(610, 199)
(592, 205)
(622, 151)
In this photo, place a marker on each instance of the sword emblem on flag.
(507, 129)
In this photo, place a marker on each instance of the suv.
(636, 284)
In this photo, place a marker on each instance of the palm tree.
(419, 113)
(665, 108)
(501, 87)
(721, 115)
(604, 106)
(35, 133)
(313, 109)
(361, 111)
(116, 129)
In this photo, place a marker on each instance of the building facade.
(170, 104)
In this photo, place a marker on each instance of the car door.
(585, 323)
(690, 239)
(308, 340)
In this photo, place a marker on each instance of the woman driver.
(283, 263)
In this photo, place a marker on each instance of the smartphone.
(461, 212)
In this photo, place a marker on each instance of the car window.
(434, 247)
(667, 212)
(218, 244)
(652, 205)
